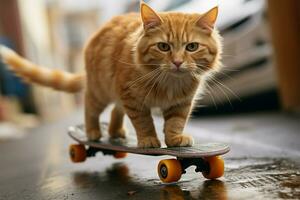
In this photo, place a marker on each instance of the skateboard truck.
(201, 165)
(78, 153)
(91, 152)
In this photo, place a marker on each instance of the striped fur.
(55, 79)
(125, 65)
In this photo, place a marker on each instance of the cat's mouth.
(178, 72)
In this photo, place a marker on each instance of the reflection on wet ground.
(245, 178)
(264, 178)
(117, 179)
(263, 164)
(106, 178)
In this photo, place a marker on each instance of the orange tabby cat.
(139, 62)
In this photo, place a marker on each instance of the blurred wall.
(10, 25)
(285, 21)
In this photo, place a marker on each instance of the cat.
(138, 61)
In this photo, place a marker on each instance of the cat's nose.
(177, 63)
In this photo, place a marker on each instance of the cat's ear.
(149, 17)
(207, 20)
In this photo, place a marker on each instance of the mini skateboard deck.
(205, 156)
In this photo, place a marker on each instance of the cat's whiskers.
(219, 84)
(195, 75)
(214, 78)
(208, 90)
(159, 82)
(143, 77)
(194, 68)
(152, 86)
(226, 87)
(223, 73)
(146, 76)
(150, 79)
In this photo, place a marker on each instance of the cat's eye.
(192, 46)
(163, 46)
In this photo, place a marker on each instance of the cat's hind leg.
(116, 128)
(93, 108)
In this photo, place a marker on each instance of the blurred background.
(257, 76)
(253, 104)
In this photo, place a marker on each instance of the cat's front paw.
(181, 140)
(93, 135)
(149, 142)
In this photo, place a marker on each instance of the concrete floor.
(264, 163)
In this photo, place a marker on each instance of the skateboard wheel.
(119, 154)
(77, 153)
(169, 170)
(216, 167)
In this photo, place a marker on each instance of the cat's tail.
(55, 79)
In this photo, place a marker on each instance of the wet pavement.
(264, 163)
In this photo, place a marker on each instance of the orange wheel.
(119, 154)
(169, 170)
(216, 167)
(77, 153)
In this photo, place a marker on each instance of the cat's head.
(179, 44)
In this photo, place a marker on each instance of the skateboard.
(206, 157)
